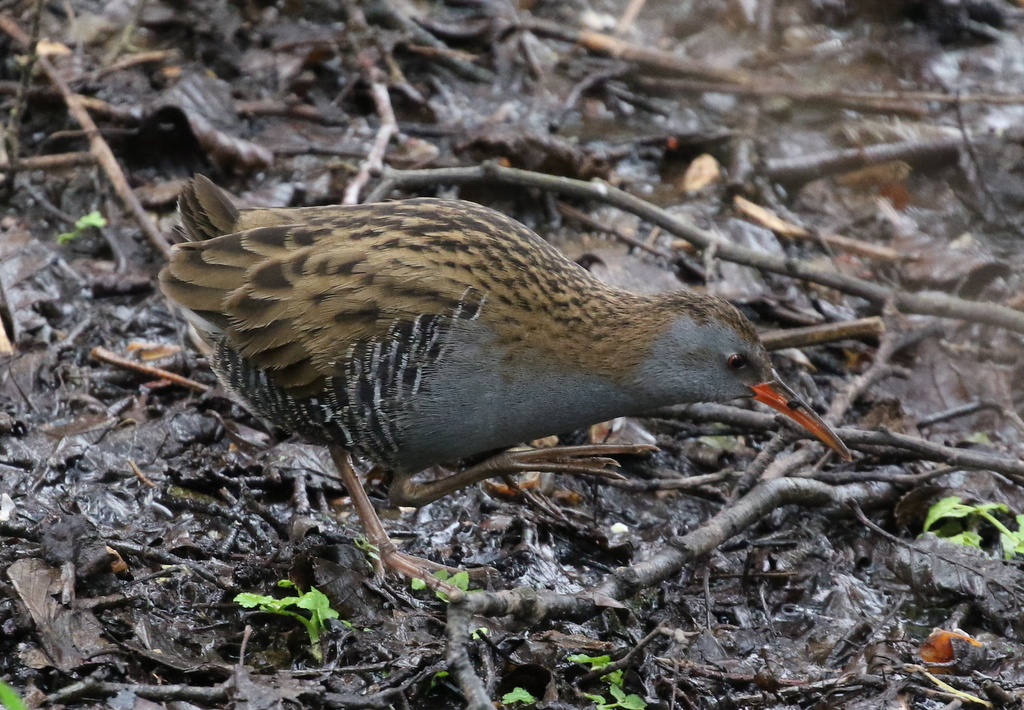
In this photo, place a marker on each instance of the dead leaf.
(938, 647)
(703, 171)
(48, 48)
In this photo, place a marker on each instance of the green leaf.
(460, 580)
(617, 692)
(946, 508)
(314, 601)
(518, 695)
(978, 437)
(482, 631)
(968, 538)
(417, 584)
(615, 677)
(633, 702)
(250, 600)
(93, 219)
(10, 699)
(594, 662)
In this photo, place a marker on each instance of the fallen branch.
(55, 161)
(924, 303)
(821, 334)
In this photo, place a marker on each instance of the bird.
(420, 332)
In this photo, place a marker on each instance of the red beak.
(778, 396)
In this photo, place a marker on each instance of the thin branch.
(158, 373)
(374, 161)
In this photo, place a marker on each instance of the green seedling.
(518, 695)
(956, 524)
(368, 548)
(620, 699)
(10, 699)
(93, 219)
(459, 580)
(314, 601)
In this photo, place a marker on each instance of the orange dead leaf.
(938, 647)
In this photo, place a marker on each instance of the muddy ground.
(739, 567)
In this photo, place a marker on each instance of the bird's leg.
(578, 460)
(390, 557)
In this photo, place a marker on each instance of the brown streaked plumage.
(423, 331)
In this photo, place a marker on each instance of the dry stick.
(628, 17)
(885, 100)
(55, 161)
(104, 355)
(804, 168)
(825, 333)
(91, 687)
(591, 223)
(97, 145)
(645, 57)
(927, 303)
(529, 605)
(374, 159)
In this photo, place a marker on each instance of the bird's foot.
(591, 460)
(418, 568)
(588, 460)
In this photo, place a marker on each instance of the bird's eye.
(737, 362)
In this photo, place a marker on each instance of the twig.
(374, 159)
(49, 162)
(91, 687)
(591, 223)
(913, 101)
(97, 145)
(926, 303)
(811, 167)
(629, 16)
(644, 57)
(824, 333)
(158, 373)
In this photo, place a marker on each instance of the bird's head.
(710, 352)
